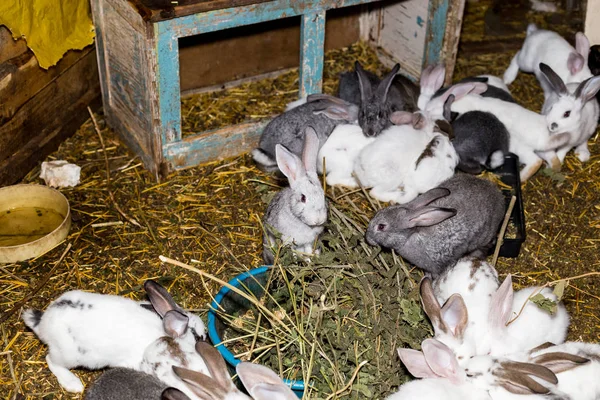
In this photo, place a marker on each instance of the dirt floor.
(209, 217)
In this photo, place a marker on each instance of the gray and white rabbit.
(432, 80)
(321, 112)
(378, 98)
(572, 108)
(548, 47)
(95, 331)
(480, 139)
(297, 214)
(459, 217)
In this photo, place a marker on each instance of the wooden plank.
(592, 16)
(21, 78)
(436, 31)
(214, 145)
(312, 52)
(160, 10)
(452, 37)
(47, 119)
(10, 48)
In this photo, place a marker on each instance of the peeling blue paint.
(436, 29)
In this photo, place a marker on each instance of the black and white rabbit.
(321, 112)
(95, 331)
(459, 217)
(129, 384)
(297, 214)
(378, 98)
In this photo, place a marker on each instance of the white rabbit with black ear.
(572, 108)
(459, 217)
(548, 47)
(321, 112)
(528, 132)
(94, 331)
(297, 214)
(339, 152)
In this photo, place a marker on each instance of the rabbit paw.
(68, 380)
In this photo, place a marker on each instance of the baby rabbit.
(297, 213)
(542, 46)
(321, 112)
(94, 331)
(378, 99)
(459, 217)
(572, 108)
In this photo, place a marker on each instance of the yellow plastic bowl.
(33, 220)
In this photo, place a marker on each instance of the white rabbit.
(444, 378)
(576, 366)
(532, 327)
(297, 214)
(339, 151)
(94, 331)
(548, 47)
(465, 290)
(406, 160)
(527, 129)
(572, 108)
(260, 382)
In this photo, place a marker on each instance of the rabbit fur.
(548, 47)
(94, 331)
(572, 108)
(406, 160)
(459, 217)
(321, 112)
(297, 213)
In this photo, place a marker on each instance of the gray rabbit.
(378, 98)
(129, 384)
(460, 217)
(321, 112)
(480, 139)
(297, 213)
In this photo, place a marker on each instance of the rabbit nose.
(553, 126)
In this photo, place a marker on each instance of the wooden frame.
(139, 68)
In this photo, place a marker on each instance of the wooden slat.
(312, 52)
(48, 118)
(10, 48)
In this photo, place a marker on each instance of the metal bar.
(312, 50)
(252, 14)
(166, 58)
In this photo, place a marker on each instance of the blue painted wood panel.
(312, 52)
(436, 30)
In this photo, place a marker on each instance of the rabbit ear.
(364, 84)
(538, 371)
(428, 197)
(173, 394)
(501, 305)
(455, 315)
(575, 63)
(428, 216)
(159, 297)
(558, 362)
(339, 113)
(384, 86)
(415, 363)
(555, 81)
(175, 323)
(203, 386)
(289, 163)
(310, 151)
(442, 360)
(262, 383)
(514, 377)
(448, 108)
(215, 363)
(582, 45)
(401, 117)
(587, 89)
(432, 77)
(432, 307)
(418, 121)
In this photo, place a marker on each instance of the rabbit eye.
(567, 114)
(380, 115)
(303, 198)
(380, 227)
